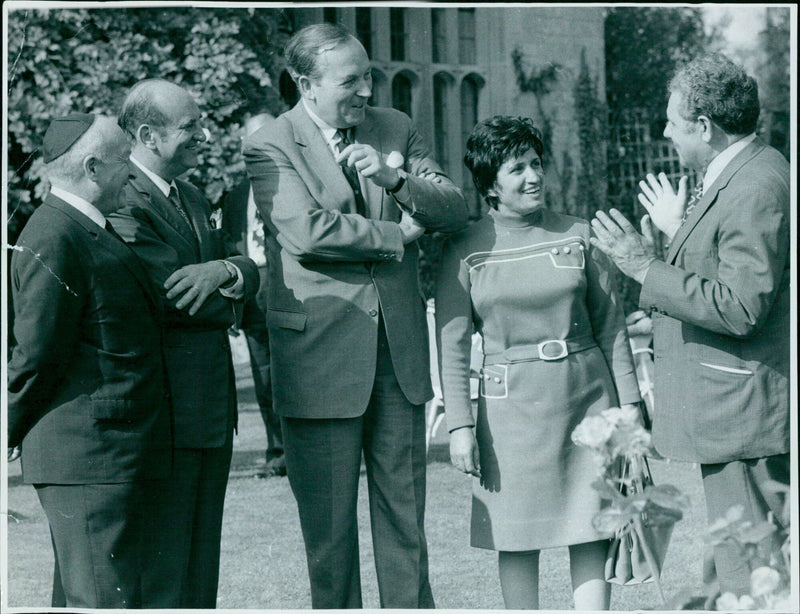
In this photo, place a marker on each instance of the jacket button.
(567, 249)
(373, 312)
(554, 251)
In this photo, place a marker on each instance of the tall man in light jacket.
(346, 316)
(720, 301)
(166, 222)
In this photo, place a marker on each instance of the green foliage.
(539, 81)
(644, 45)
(85, 60)
(592, 119)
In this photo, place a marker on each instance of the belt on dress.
(552, 349)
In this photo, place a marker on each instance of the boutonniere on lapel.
(215, 219)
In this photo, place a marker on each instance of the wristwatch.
(399, 185)
(233, 273)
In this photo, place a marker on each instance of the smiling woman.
(528, 281)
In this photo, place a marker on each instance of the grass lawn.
(263, 560)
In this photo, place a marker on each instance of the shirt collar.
(328, 131)
(160, 182)
(718, 164)
(81, 204)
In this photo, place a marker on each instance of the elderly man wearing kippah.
(86, 381)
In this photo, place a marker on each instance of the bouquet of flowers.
(641, 514)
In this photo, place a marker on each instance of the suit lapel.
(710, 197)
(367, 133)
(110, 243)
(161, 205)
(319, 158)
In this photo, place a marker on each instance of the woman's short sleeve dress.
(533, 287)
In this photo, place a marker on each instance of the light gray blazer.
(332, 270)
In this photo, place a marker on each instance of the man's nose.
(365, 89)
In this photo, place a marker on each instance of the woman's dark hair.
(492, 142)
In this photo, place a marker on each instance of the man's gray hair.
(142, 107)
(303, 50)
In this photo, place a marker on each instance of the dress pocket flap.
(293, 320)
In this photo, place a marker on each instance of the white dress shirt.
(81, 204)
(718, 164)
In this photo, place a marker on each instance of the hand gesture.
(633, 253)
(663, 205)
(410, 228)
(196, 282)
(464, 451)
(369, 163)
(639, 323)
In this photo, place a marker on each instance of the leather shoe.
(276, 466)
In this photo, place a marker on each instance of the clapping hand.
(633, 253)
(664, 206)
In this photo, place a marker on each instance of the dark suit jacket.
(197, 349)
(331, 270)
(721, 318)
(87, 393)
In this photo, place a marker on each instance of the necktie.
(175, 200)
(697, 193)
(351, 174)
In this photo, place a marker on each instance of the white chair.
(643, 359)
(434, 409)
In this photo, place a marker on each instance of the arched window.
(288, 89)
(438, 35)
(441, 119)
(466, 36)
(470, 89)
(399, 36)
(364, 28)
(401, 93)
(380, 94)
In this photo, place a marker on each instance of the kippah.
(63, 132)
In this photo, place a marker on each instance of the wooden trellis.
(633, 151)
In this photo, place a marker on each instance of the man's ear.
(706, 127)
(146, 136)
(91, 167)
(304, 86)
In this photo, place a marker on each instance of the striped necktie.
(176, 200)
(351, 174)
(697, 193)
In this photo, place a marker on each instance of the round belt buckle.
(562, 352)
